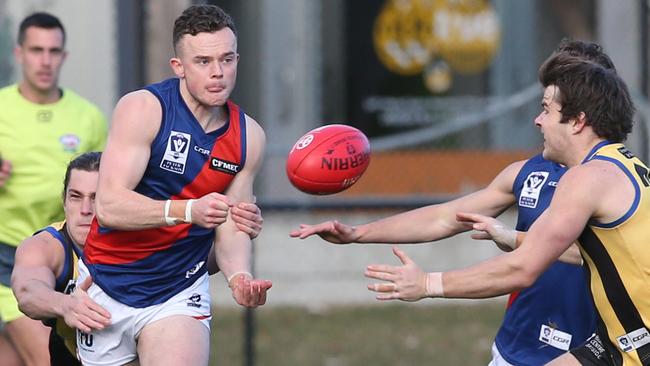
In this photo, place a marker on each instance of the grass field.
(397, 334)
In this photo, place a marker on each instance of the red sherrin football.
(328, 159)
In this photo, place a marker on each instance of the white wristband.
(188, 211)
(433, 285)
(169, 220)
(238, 273)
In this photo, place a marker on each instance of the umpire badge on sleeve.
(175, 156)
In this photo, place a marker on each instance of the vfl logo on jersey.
(633, 340)
(554, 337)
(175, 156)
(224, 166)
(532, 187)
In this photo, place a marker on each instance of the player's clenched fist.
(210, 210)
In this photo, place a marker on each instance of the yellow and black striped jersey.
(617, 255)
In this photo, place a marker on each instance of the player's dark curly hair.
(589, 51)
(585, 86)
(201, 18)
(39, 20)
(88, 162)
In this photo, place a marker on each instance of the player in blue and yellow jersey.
(42, 126)
(47, 264)
(180, 155)
(602, 201)
(565, 310)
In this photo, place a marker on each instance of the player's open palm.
(81, 312)
(332, 231)
(210, 210)
(248, 291)
(406, 282)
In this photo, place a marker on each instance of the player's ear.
(18, 54)
(177, 67)
(579, 122)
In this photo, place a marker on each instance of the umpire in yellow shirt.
(42, 127)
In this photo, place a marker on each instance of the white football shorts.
(117, 343)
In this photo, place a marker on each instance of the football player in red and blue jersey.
(180, 157)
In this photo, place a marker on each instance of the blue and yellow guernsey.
(40, 140)
(63, 341)
(617, 256)
(556, 313)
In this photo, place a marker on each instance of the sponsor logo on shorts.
(194, 300)
(175, 157)
(224, 166)
(529, 196)
(554, 337)
(85, 341)
(633, 340)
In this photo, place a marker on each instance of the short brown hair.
(199, 19)
(39, 20)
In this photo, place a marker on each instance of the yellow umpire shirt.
(40, 140)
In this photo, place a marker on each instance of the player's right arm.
(424, 224)
(38, 260)
(136, 121)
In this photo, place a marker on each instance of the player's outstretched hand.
(489, 228)
(81, 312)
(210, 210)
(332, 231)
(248, 218)
(5, 171)
(406, 282)
(248, 291)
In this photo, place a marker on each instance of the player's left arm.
(551, 235)
(233, 247)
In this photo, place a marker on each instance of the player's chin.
(216, 99)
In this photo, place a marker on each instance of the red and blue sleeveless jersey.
(147, 267)
(556, 313)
